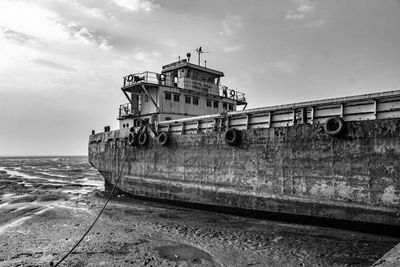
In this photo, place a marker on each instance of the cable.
(94, 222)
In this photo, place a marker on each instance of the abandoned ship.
(183, 138)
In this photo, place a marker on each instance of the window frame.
(176, 98)
(215, 104)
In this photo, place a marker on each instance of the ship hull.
(296, 170)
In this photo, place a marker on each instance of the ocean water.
(50, 189)
(30, 186)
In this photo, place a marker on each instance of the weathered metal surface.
(298, 169)
(354, 108)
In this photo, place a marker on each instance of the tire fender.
(143, 139)
(163, 138)
(334, 126)
(232, 137)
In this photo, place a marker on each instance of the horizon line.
(30, 155)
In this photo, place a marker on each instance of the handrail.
(232, 94)
(156, 78)
(142, 77)
(127, 110)
(352, 108)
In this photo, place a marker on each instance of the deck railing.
(126, 110)
(143, 77)
(233, 94)
(156, 78)
(385, 105)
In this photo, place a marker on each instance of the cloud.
(95, 12)
(147, 56)
(52, 64)
(20, 38)
(287, 65)
(30, 19)
(231, 48)
(86, 36)
(315, 24)
(230, 25)
(303, 7)
(30, 24)
(134, 5)
(294, 16)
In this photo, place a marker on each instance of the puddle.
(184, 253)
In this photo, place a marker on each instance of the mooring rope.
(98, 216)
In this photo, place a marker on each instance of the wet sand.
(43, 215)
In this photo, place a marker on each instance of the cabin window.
(187, 99)
(230, 107)
(168, 118)
(224, 105)
(167, 96)
(195, 75)
(209, 103)
(176, 98)
(216, 104)
(195, 100)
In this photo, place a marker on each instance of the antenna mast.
(199, 52)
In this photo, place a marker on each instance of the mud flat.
(137, 233)
(42, 216)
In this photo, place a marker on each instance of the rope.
(98, 216)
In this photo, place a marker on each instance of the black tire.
(163, 139)
(232, 137)
(334, 126)
(132, 139)
(143, 139)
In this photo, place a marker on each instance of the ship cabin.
(181, 90)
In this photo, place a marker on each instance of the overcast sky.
(62, 62)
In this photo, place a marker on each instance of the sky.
(62, 61)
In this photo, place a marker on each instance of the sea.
(33, 186)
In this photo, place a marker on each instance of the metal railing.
(156, 78)
(377, 106)
(144, 77)
(232, 94)
(127, 109)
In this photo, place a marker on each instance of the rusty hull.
(293, 170)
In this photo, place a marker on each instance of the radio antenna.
(199, 52)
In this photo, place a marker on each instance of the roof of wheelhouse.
(184, 64)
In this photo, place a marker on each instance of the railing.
(144, 77)
(232, 94)
(126, 110)
(376, 106)
(156, 78)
